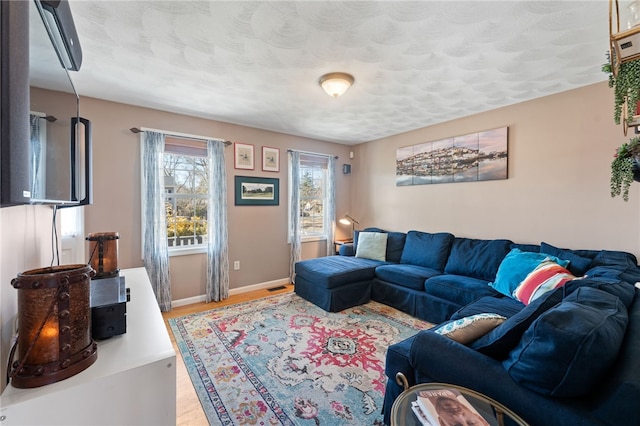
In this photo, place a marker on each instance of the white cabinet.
(133, 381)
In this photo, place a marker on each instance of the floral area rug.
(283, 361)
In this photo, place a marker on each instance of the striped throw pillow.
(546, 277)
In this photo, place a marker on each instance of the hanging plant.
(622, 168)
(626, 87)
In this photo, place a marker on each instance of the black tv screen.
(59, 139)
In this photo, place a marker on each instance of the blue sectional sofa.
(565, 352)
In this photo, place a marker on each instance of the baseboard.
(233, 291)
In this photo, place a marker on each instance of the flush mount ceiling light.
(336, 83)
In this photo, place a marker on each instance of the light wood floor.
(188, 409)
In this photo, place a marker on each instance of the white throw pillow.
(372, 245)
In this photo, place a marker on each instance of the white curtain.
(36, 155)
(155, 249)
(218, 241)
(294, 213)
(330, 208)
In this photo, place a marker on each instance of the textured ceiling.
(415, 64)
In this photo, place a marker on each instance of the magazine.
(448, 407)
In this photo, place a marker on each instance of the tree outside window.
(313, 177)
(186, 194)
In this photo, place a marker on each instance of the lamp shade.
(348, 220)
(336, 83)
(103, 249)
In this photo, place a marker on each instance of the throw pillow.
(466, 330)
(356, 234)
(545, 277)
(515, 267)
(501, 340)
(372, 245)
(578, 265)
(569, 349)
(395, 245)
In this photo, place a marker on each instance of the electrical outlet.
(236, 265)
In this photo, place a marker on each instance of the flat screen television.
(60, 140)
(46, 145)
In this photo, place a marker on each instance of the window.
(186, 184)
(71, 222)
(313, 184)
(72, 238)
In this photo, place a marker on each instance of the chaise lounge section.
(335, 283)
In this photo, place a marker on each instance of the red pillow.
(546, 277)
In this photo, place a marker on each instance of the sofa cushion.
(426, 249)
(609, 272)
(622, 289)
(505, 337)
(556, 354)
(336, 271)
(535, 248)
(410, 276)
(618, 395)
(501, 340)
(372, 245)
(347, 249)
(505, 306)
(466, 330)
(613, 257)
(624, 262)
(457, 288)
(476, 258)
(545, 277)
(515, 267)
(395, 246)
(578, 265)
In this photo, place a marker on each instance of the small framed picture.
(270, 159)
(243, 154)
(257, 191)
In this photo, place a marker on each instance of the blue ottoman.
(335, 283)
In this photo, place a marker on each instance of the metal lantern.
(54, 325)
(103, 249)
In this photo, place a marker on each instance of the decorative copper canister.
(54, 325)
(103, 253)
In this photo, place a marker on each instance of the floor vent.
(276, 288)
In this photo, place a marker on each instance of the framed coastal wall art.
(257, 191)
(270, 159)
(467, 158)
(243, 155)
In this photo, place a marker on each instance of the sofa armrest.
(442, 359)
(436, 358)
(347, 249)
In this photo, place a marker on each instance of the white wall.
(560, 150)
(25, 244)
